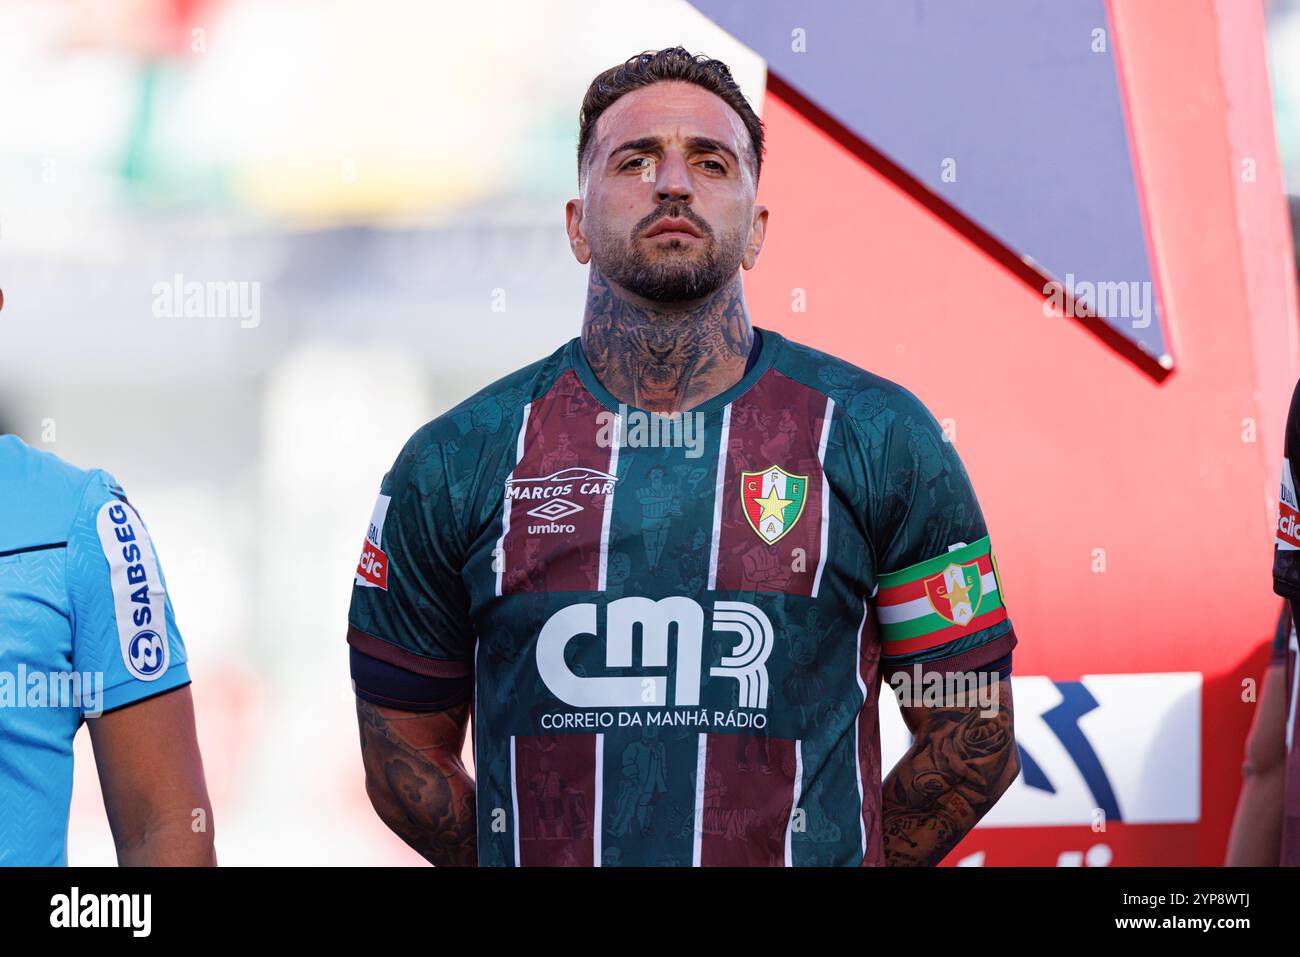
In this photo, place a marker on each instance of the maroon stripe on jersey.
(393, 655)
(778, 422)
(557, 493)
(869, 744)
(555, 792)
(748, 798)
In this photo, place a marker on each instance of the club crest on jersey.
(955, 592)
(772, 500)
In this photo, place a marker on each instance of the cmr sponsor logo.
(746, 664)
(75, 909)
(139, 601)
(372, 569)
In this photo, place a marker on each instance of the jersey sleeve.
(1286, 551)
(410, 606)
(124, 633)
(1281, 635)
(939, 600)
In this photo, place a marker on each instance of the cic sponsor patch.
(372, 570)
(1288, 513)
(139, 600)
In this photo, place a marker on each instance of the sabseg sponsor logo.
(139, 600)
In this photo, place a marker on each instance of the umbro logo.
(555, 509)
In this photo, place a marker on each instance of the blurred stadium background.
(384, 183)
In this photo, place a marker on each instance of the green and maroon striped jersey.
(677, 626)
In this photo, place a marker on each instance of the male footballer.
(1282, 686)
(1266, 826)
(1258, 823)
(667, 567)
(87, 634)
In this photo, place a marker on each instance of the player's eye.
(636, 159)
(720, 167)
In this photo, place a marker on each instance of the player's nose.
(672, 179)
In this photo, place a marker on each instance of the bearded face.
(669, 269)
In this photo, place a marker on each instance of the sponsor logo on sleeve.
(1288, 515)
(139, 601)
(372, 570)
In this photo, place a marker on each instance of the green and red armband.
(944, 608)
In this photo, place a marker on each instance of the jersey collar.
(771, 344)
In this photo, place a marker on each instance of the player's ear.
(573, 226)
(757, 233)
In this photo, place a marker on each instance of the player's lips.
(674, 228)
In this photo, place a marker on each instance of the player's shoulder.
(484, 423)
(1293, 416)
(861, 395)
(41, 494)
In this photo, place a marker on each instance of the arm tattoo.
(959, 764)
(416, 781)
(665, 361)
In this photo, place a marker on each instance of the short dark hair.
(656, 66)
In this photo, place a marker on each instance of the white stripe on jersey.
(701, 758)
(514, 799)
(826, 493)
(857, 722)
(794, 805)
(1294, 648)
(609, 505)
(600, 586)
(599, 815)
(473, 744)
(718, 495)
(500, 556)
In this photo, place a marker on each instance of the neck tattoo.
(665, 360)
